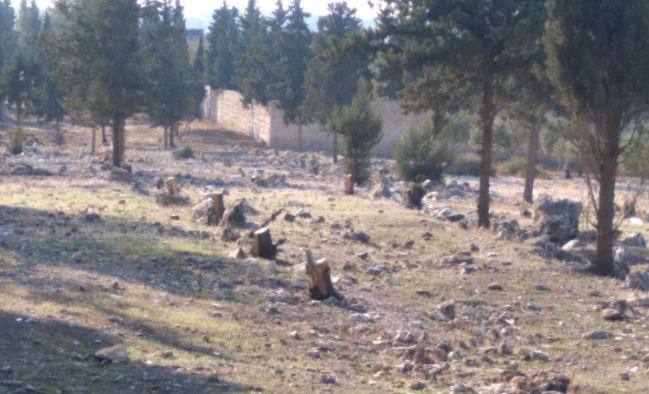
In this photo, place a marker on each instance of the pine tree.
(222, 40)
(361, 129)
(332, 74)
(598, 60)
(51, 96)
(169, 94)
(97, 62)
(7, 41)
(252, 75)
(292, 45)
(465, 50)
(198, 72)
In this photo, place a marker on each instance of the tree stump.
(349, 184)
(262, 244)
(218, 209)
(172, 188)
(320, 285)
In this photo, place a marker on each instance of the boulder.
(558, 219)
(114, 354)
(635, 239)
(639, 280)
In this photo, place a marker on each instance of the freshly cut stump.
(218, 209)
(320, 285)
(262, 244)
(349, 184)
(172, 187)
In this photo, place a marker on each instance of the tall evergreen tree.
(222, 42)
(598, 60)
(198, 71)
(97, 62)
(292, 45)
(51, 96)
(168, 72)
(332, 74)
(252, 74)
(472, 48)
(7, 41)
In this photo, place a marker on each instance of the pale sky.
(199, 12)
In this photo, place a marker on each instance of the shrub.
(17, 142)
(185, 152)
(361, 128)
(420, 155)
(516, 166)
(465, 164)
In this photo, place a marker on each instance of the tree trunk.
(606, 204)
(19, 116)
(119, 140)
(104, 140)
(166, 137)
(262, 244)
(93, 149)
(320, 285)
(487, 117)
(335, 148)
(172, 131)
(172, 187)
(218, 209)
(528, 193)
(439, 122)
(349, 184)
(299, 136)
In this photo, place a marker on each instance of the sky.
(199, 12)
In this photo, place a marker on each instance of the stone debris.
(557, 219)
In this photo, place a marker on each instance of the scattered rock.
(447, 309)
(639, 280)
(570, 245)
(238, 253)
(612, 314)
(507, 346)
(358, 236)
(328, 379)
(229, 235)
(635, 239)
(598, 335)
(418, 386)
(114, 354)
(495, 287)
(558, 220)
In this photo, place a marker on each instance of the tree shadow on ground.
(49, 355)
(135, 252)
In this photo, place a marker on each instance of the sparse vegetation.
(17, 142)
(186, 152)
(422, 154)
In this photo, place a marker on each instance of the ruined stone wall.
(225, 108)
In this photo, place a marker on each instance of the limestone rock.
(114, 354)
(639, 280)
(558, 220)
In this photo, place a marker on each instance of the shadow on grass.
(49, 355)
(137, 252)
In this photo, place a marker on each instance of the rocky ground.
(103, 290)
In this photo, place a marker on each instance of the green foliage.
(51, 97)
(186, 152)
(515, 166)
(17, 142)
(291, 44)
(222, 42)
(170, 90)
(198, 75)
(361, 128)
(421, 154)
(465, 164)
(252, 74)
(332, 74)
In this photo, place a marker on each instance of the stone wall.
(226, 109)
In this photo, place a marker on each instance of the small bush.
(17, 142)
(420, 156)
(465, 164)
(185, 152)
(516, 166)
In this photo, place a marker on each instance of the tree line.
(581, 61)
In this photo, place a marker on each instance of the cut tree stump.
(349, 184)
(172, 187)
(218, 209)
(320, 285)
(262, 244)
